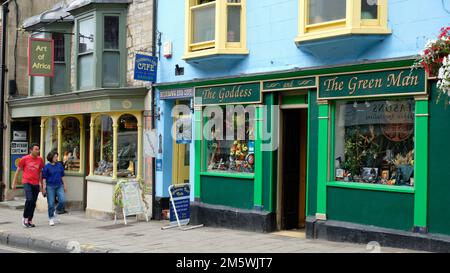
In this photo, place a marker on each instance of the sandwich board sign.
(180, 206)
(132, 201)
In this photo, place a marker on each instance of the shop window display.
(103, 147)
(127, 146)
(71, 144)
(374, 142)
(51, 135)
(231, 154)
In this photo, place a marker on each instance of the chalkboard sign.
(180, 204)
(132, 201)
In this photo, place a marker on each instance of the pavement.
(76, 233)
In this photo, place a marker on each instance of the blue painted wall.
(272, 26)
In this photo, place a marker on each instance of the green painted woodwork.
(312, 153)
(289, 84)
(198, 151)
(98, 13)
(292, 74)
(438, 216)
(421, 163)
(289, 100)
(229, 175)
(269, 168)
(258, 185)
(322, 156)
(382, 209)
(371, 187)
(236, 193)
(369, 84)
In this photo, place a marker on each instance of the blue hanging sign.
(145, 68)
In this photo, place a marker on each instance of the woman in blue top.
(53, 184)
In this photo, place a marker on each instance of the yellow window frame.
(352, 24)
(220, 44)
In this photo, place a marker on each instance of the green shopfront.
(339, 151)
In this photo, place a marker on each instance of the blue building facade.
(289, 54)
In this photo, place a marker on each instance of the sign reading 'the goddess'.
(228, 94)
(379, 83)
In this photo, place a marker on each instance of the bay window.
(215, 27)
(320, 19)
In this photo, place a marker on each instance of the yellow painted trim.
(352, 24)
(42, 137)
(91, 144)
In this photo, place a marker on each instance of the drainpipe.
(2, 95)
(154, 207)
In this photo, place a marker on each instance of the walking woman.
(31, 165)
(54, 186)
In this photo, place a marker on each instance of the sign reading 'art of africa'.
(380, 83)
(41, 57)
(228, 94)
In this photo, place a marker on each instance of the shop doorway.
(292, 169)
(181, 146)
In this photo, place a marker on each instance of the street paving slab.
(76, 233)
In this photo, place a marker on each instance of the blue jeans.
(31, 194)
(52, 192)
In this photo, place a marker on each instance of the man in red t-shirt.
(31, 165)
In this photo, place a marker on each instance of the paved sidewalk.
(104, 236)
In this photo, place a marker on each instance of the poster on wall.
(183, 130)
(150, 143)
(19, 148)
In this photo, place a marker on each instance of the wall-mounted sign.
(145, 68)
(376, 83)
(41, 57)
(159, 166)
(246, 93)
(176, 94)
(289, 84)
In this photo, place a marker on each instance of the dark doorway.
(293, 168)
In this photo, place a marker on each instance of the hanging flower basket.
(435, 60)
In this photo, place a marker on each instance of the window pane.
(71, 144)
(127, 146)
(111, 62)
(375, 142)
(59, 80)
(369, 9)
(38, 86)
(111, 32)
(103, 148)
(326, 10)
(51, 136)
(86, 36)
(86, 72)
(204, 24)
(234, 24)
(235, 155)
(60, 54)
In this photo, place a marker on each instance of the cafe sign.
(289, 84)
(373, 84)
(245, 93)
(41, 57)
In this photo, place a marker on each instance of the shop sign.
(20, 135)
(132, 200)
(41, 57)
(19, 148)
(289, 84)
(180, 204)
(245, 93)
(377, 83)
(145, 68)
(176, 94)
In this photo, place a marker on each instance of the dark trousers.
(31, 194)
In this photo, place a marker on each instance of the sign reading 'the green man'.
(228, 94)
(379, 83)
(41, 57)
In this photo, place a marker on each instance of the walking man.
(31, 165)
